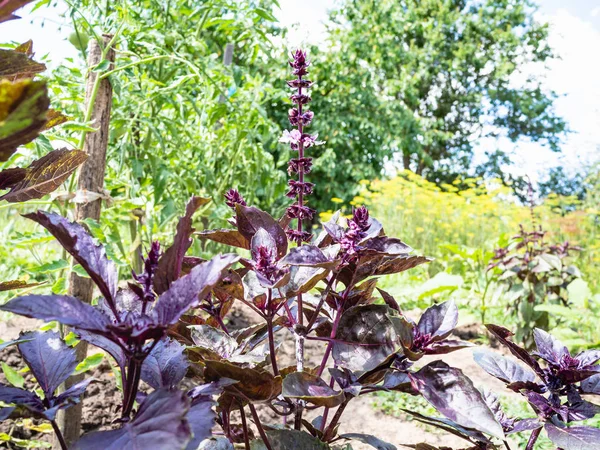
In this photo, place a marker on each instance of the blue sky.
(575, 36)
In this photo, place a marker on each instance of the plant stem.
(133, 380)
(533, 439)
(334, 327)
(272, 345)
(336, 419)
(261, 431)
(59, 436)
(244, 427)
(315, 316)
(506, 445)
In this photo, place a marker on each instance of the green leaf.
(579, 292)
(102, 66)
(53, 266)
(80, 271)
(439, 283)
(89, 363)
(12, 376)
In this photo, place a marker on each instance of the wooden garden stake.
(98, 100)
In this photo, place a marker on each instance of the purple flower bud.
(297, 211)
(233, 197)
(298, 83)
(303, 119)
(297, 164)
(146, 278)
(299, 187)
(360, 219)
(297, 236)
(265, 264)
(300, 99)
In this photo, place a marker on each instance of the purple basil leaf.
(262, 238)
(333, 228)
(6, 412)
(389, 300)
(387, 245)
(468, 434)
(17, 396)
(201, 418)
(549, 348)
(70, 397)
(75, 239)
(51, 360)
(365, 338)
(439, 320)
(3, 345)
(375, 229)
(250, 219)
(64, 309)
(311, 388)
(455, 396)
(369, 439)
(110, 347)
(170, 263)
(591, 385)
(446, 346)
(160, 424)
(166, 365)
(588, 357)
(188, 290)
(525, 425)
(503, 335)
(308, 255)
(574, 438)
(502, 368)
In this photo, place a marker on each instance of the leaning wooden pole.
(90, 178)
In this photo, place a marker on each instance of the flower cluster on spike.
(233, 197)
(358, 226)
(299, 141)
(146, 278)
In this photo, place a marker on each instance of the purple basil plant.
(169, 327)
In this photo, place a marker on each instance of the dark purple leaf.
(170, 263)
(389, 300)
(187, 291)
(549, 348)
(201, 419)
(502, 368)
(17, 396)
(455, 396)
(387, 245)
(8, 7)
(213, 341)
(369, 440)
(446, 346)
(227, 237)
(64, 309)
(574, 438)
(160, 424)
(525, 425)
(263, 239)
(503, 335)
(333, 228)
(365, 338)
(439, 320)
(313, 389)
(75, 240)
(397, 381)
(3, 345)
(308, 255)
(51, 360)
(250, 219)
(256, 384)
(42, 177)
(591, 385)
(68, 398)
(451, 427)
(588, 357)
(166, 365)
(290, 440)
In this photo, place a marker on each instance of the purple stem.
(533, 438)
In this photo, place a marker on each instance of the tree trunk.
(91, 178)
